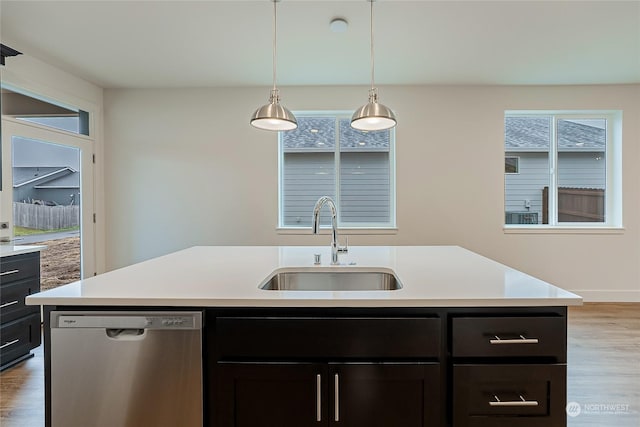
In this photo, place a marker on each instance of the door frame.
(13, 127)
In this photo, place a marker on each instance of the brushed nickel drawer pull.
(337, 397)
(318, 398)
(521, 340)
(6, 273)
(7, 304)
(521, 402)
(8, 344)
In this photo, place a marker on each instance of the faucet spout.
(335, 247)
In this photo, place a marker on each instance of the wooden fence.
(43, 217)
(575, 205)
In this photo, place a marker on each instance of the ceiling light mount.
(338, 25)
(373, 115)
(274, 116)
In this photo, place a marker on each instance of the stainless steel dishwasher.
(126, 369)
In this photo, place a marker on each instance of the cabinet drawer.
(509, 395)
(269, 337)
(12, 300)
(509, 337)
(18, 338)
(19, 267)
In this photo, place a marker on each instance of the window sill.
(344, 231)
(537, 229)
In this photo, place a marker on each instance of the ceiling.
(138, 44)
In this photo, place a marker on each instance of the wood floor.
(603, 372)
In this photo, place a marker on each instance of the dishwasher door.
(126, 369)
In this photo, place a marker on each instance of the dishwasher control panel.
(122, 320)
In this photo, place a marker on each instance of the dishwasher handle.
(125, 334)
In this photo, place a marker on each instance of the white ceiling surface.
(138, 44)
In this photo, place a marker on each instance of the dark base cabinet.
(19, 323)
(334, 394)
(388, 367)
(509, 370)
(509, 395)
(315, 367)
(269, 395)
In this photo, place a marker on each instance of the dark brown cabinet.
(331, 394)
(509, 371)
(315, 370)
(19, 323)
(384, 395)
(270, 395)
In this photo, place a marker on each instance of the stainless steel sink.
(332, 281)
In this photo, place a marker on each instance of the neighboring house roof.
(71, 180)
(23, 175)
(319, 134)
(533, 134)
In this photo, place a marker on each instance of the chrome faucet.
(335, 246)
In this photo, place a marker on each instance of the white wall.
(184, 167)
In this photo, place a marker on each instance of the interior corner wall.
(183, 167)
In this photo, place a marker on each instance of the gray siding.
(365, 187)
(579, 170)
(305, 178)
(528, 184)
(582, 170)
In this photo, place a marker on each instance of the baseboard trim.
(608, 296)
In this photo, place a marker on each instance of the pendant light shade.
(373, 115)
(274, 116)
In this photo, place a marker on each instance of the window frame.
(517, 172)
(355, 227)
(613, 173)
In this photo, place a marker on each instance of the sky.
(30, 152)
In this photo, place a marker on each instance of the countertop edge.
(18, 250)
(302, 303)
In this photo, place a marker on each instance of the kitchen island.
(465, 341)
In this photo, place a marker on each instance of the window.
(45, 112)
(562, 169)
(511, 164)
(324, 156)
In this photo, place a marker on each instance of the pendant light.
(373, 115)
(273, 116)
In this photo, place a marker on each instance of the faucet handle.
(344, 249)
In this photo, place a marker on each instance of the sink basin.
(332, 281)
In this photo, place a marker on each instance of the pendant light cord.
(275, 29)
(371, 42)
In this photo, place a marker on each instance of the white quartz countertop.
(9, 250)
(227, 276)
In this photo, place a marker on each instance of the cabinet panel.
(12, 297)
(271, 395)
(509, 395)
(17, 338)
(348, 395)
(371, 338)
(18, 267)
(509, 337)
(384, 395)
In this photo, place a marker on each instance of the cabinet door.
(272, 395)
(384, 395)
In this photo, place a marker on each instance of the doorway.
(47, 193)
